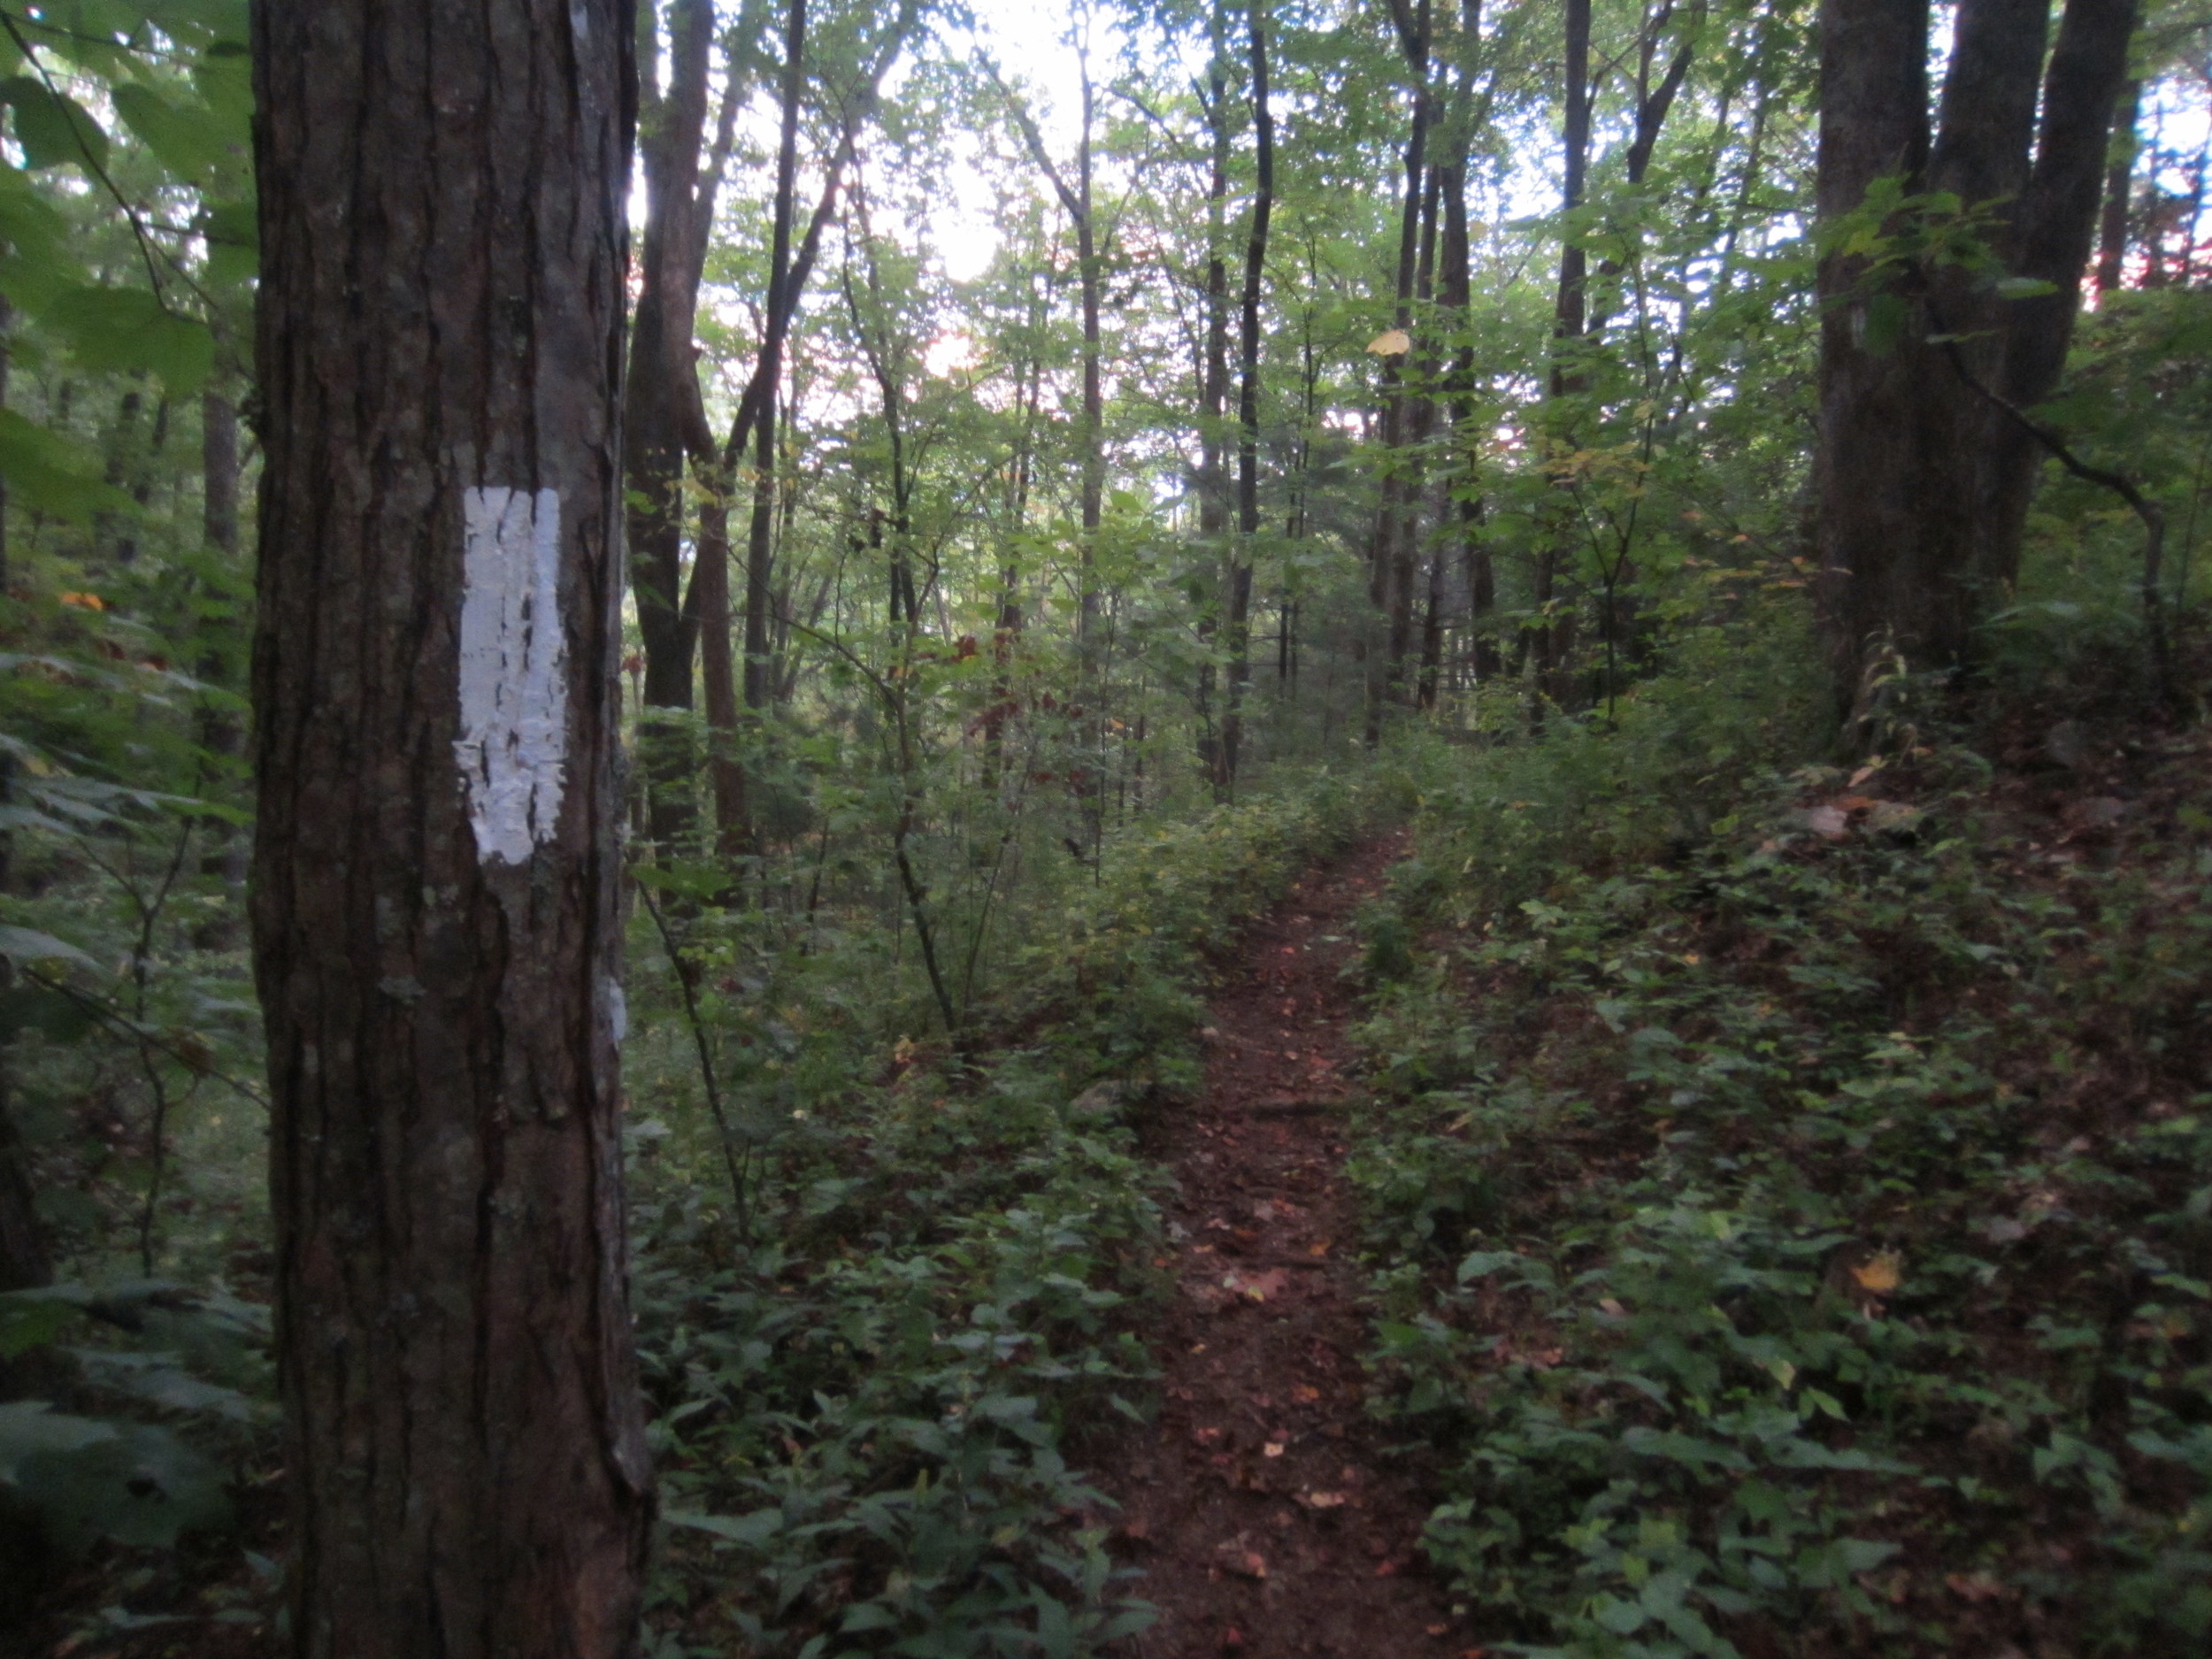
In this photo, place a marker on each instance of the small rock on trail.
(1262, 1505)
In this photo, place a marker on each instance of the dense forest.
(1169, 828)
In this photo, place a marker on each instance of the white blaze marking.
(617, 1011)
(514, 693)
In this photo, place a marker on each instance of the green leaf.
(1886, 318)
(32, 1428)
(54, 130)
(46, 472)
(191, 141)
(2021, 288)
(27, 944)
(135, 1484)
(232, 234)
(754, 1529)
(127, 329)
(29, 1320)
(158, 1381)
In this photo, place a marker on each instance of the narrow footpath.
(1264, 1509)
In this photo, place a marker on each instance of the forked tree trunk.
(436, 925)
(1923, 474)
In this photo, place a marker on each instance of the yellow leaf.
(1879, 1275)
(85, 601)
(1392, 342)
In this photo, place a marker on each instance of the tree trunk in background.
(661, 400)
(1239, 618)
(222, 733)
(2119, 186)
(1213, 401)
(1075, 200)
(1454, 290)
(1553, 635)
(1386, 668)
(760, 531)
(23, 1261)
(437, 936)
(1923, 480)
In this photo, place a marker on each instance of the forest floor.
(1269, 1514)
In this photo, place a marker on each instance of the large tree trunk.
(1922, 475)
(437, 939)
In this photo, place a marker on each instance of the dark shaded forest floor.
(1269, 1514)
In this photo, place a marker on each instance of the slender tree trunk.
(1006, 638)
(437, 935)
(1240, 598)
(2119, 189)
(1213, 405)
(759, 572)
(1385, 668)
(1553, 637)
(23, 1261)
(222, 733)
(661, 398)
(718, 681)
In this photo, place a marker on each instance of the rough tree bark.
(1923, 477)
(437, 939)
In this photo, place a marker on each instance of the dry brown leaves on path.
(1262, 1504)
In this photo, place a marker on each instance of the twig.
(2150, 512)
(706, 1060)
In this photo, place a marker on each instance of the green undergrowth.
(1792, 1193)
(867, 1357)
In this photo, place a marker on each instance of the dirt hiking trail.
(1264, 1507)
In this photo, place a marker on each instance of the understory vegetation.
(1791, 1182)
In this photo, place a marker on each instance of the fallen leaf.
(1206, 1437)
(1438, 1629)
(1387, 1570)
(1273, 1449)
(1246, 1563)
(1138, 1528)
(1306, 1394)
(1827, 821)
(1880, 1275)
(1975, 1586)
(1323, 1500)
(1257, 1286)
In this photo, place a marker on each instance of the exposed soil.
(1266, 1510)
